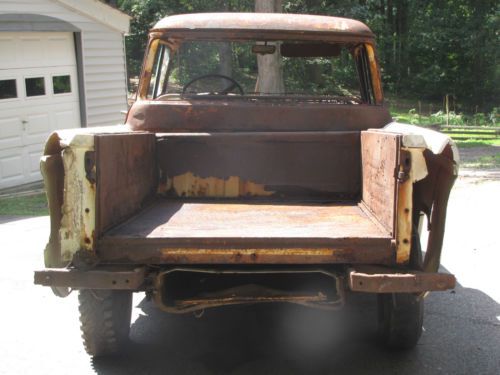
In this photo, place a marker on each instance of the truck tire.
(105, 320)
(401, 315)
(400, 319)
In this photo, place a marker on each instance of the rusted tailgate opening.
(255, 198)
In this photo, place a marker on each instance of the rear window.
(258, 68)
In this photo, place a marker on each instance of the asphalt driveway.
(39, 333)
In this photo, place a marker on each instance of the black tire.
(401, 315)
(105, 320)
(400, 319)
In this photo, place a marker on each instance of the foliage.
(440, 117)
(428, 48)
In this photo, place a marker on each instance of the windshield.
(291, 69)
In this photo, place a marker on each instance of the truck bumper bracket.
(380, 280)
(92, 279)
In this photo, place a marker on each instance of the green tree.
(428, 48)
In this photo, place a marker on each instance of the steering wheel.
(225, 91)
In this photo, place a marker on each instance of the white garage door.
(38, 94)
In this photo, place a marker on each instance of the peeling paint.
(190, 185)
(77, 225)
(417, 172)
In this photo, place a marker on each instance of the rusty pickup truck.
(258, 164)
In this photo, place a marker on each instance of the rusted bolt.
(87, 210)
(405, 241)
(87, 240)
(407, 210)
(113, 282)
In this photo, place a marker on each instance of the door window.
(8, 89)
(35, 86)
(61, 84)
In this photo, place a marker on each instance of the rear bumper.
(360, 279)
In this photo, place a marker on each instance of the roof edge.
(286, 22)
(100, 12)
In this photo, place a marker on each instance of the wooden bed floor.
(187, 220)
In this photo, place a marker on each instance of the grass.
(470, 143)
(32, 205)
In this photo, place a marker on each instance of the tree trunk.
(225, 53)
(270, 79)
(225, 59)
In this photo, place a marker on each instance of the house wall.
(103, 56)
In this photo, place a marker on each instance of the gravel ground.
(40, 332)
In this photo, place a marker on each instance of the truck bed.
(173, 227)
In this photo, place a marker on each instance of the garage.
(38, 94)
(62, 65)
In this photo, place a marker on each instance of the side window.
(159, 72)
(365, 77)
(61, 84)
(8, 89)
(35, 86)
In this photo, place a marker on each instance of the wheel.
(400, 319)
(105, 320)
(401, 315)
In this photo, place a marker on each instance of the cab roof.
(263, 25)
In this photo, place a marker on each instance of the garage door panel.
(32, 51)
(7, 52)
(11, 165)
(33, 163)
(59, 45)
(10, 132)
(65, 119)
(37, 128)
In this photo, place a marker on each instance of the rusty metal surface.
(265, 24)
(394, 281)
(279, 251)
(380, 157)
(248, 286)
(250, 295)
(183, 232)
(431, 197)
(93, 279)
(126, 175)
(240, 114)
(52, 169)
(276, 165)
(220, 220)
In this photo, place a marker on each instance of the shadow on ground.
(461, 337)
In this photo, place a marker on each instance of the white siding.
(103, 59)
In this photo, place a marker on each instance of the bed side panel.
(126, 176)
(380, 159)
